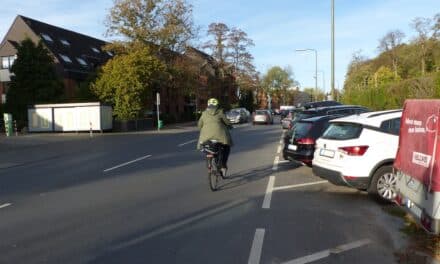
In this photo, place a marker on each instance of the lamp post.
(333, 50)
(316, 69)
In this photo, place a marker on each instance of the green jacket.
(213, 124)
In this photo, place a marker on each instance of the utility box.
(7, 118)
(70, 117)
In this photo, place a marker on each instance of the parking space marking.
(298, 185)
(328, 252)
(257, 246)
(268, 195)
(127, 163)
(186, 143)
(275, 163)
(5, 205)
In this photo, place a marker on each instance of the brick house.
(75, 55)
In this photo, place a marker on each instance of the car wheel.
(383, 184)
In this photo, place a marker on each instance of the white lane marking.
(326, 253)
(186, 143)
(298, 185)
(5, 205)
(179, 225)
(275, 163)
(268, 195)
(126, 163)
(278, 149)
(257, 246)
(283, 161)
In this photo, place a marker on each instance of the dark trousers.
(224, 155)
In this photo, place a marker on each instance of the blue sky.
(278, 27)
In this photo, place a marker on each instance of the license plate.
(292, 147)
(327, 153)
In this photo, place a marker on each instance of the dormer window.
(65, 42)
(66, 58)
(81, 61)
(46, 37)
(95, 50)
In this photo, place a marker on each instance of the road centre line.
(257, 246)
(275, 163)
(298, 185)
(5, 205)
(268, 195)
(127, 163)
(326, 253)
(186, 143)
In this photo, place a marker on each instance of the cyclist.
(214, 125)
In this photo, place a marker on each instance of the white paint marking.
(126, 163)
(275, 163)
(268, 195)
(278, 149)
(5, 205)
(298, 185)
(179, 225)
(186, 143)
(326, 253)
(257, 247)
(283, 161)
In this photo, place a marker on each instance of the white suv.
(359, 151)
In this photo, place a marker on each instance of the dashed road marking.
(126, 163)
(328, 252)
(268, 195)
(257, 247)
(5, 205)
(275, 163)
(298, 185)
(186, 143)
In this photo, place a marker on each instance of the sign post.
(159, 122)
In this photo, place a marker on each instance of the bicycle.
(212, 148)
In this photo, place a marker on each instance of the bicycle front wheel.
(212, 174)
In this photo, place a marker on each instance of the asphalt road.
(144, 198)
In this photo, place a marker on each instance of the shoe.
(223, 172)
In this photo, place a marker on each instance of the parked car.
(328, 110)
(359, 151)
(320, 104)
(262, 116)
(300, 146)
(238, 115)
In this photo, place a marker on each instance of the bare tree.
(423, 27)
(389, 44)
(436, 26)
(238, 54)
(217, 45)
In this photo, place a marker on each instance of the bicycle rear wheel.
(213, 174)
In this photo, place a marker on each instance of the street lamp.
(316, 69)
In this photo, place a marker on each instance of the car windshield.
(301, 116)
(260, 112)
(342, 131)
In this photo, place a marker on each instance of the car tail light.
(354, 150)
(306, 141)
(350, 178)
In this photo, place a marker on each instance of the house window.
(66, 58)
(95, 50)
(47, 37)
(65, 42)
(8, 61)
(81, 61)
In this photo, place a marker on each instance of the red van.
(417, 162)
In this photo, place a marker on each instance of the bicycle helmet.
(212, 102)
